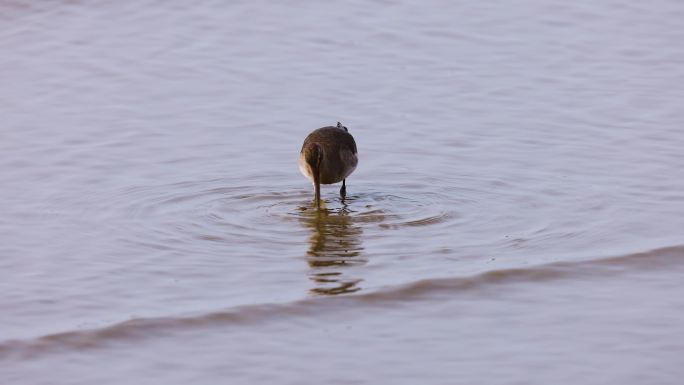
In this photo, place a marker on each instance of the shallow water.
(516, 215)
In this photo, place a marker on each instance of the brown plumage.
(328, 156)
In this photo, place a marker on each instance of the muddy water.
(516, 215)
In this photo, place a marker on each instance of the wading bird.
(328, 156)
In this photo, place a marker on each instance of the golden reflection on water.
(335, 244)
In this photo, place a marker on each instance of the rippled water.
(516, 215)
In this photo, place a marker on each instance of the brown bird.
(328, 156)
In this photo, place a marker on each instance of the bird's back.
(338, 149)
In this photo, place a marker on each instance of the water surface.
(516, 215)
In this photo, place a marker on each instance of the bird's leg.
(317, 186)
(316, 171)
(343, 189)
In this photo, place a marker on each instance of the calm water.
(516, 217)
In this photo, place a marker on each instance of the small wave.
(426, 221)
(137, 329)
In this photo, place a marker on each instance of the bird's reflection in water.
(335, 244)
